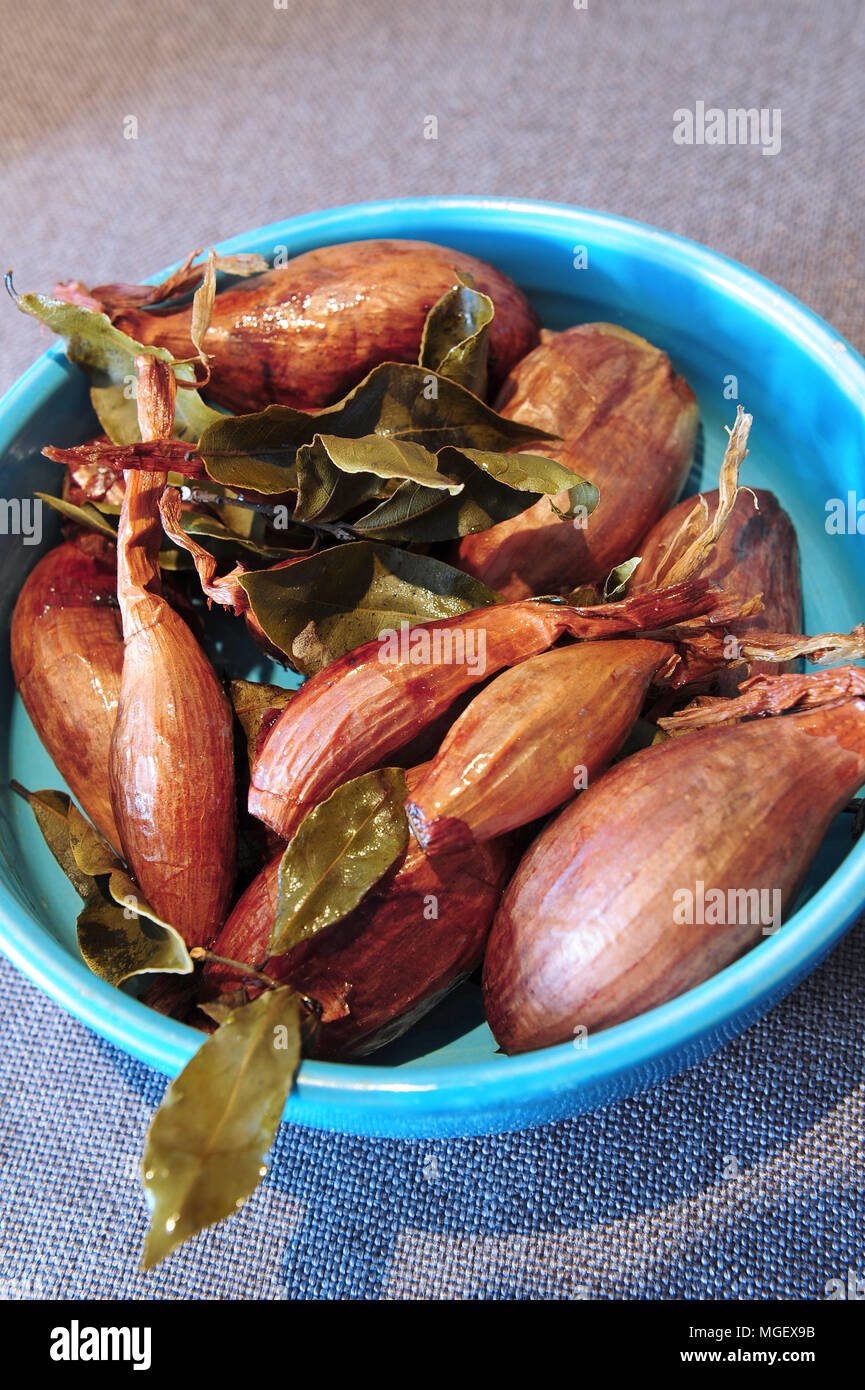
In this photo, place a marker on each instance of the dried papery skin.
(771, 695)
(171, 455)
(702, 654)
(172, 769)
(113, 299)
(705, 525)
(67, 657)
(226, 590)
(93, 480)
(823, 649)
(531, 738)
(391, 960)
(628, 423)
(586, 934)
(360, 709)
(757, 553)
(704, 646)
(305, 333)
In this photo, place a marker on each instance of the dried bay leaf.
(207, 1145)
(334, 474)
(340, 852)
(108, 357)
(617, 581)
(252, 701)
(396, 400)
(455, 341)
(410, 402)
(87, 514)
(119, 935)
(342, 597)
(496, 487)
(202, 308)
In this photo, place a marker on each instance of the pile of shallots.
(592, 811)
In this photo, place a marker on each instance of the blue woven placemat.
(743, 1177)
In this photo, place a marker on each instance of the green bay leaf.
(86, 515)
(208, 1142)
(108, 356)
(617, 581)
(342, 849)
(118, 939)
(532, 473)
(119, 934)
(257, 451)
(322, 607)
(397, 400)
(251, 701)
(335, 474)
(455, 341)
(496, 487)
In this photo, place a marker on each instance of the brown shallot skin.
(67, 657)
(306, 333)
(628, 424)
(360, 709)
(513, 755)
(587, 934)
(756, 553)
(391, 960)
(172, 759)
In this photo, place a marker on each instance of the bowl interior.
(731, 335)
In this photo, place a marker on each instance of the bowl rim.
(763, 974)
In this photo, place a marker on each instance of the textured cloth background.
(743, 1177)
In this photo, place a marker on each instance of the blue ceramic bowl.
(806, 390)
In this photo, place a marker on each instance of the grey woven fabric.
(746, 1175)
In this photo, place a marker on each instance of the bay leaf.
(51, 812)
(455, 341)
(87, 514)
(532, 473)
(397, 400)
(385, 458)
(119, 935)
(584, 596)
(257, 451)
(322, 607)
(118, 943)
(101, 517)
(209, 1139)
(617, 581)
(334, 474)
(410, 402)
(252, 539)
(221, 1009)
(496, 487)
(252, 701)
(342, 849)
(108, 357)
(117, 412)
